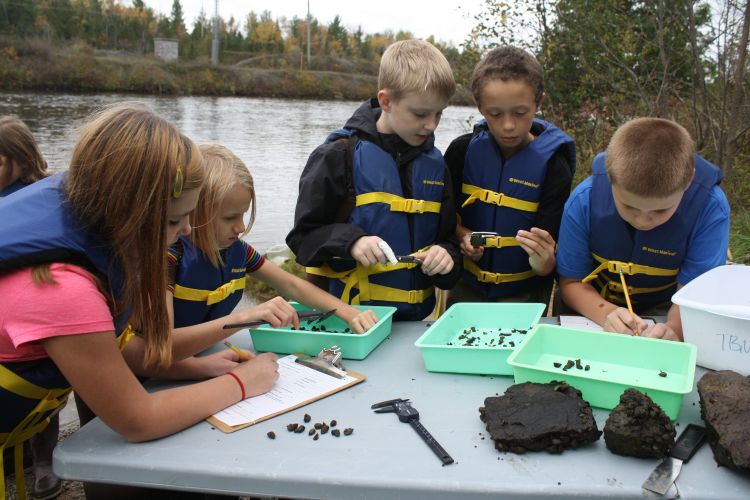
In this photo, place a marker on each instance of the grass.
(260, 292)
(737, 188)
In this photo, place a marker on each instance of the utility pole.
(308, 34)
(215, 41)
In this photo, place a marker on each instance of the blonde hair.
(651, 157)
(508, 63)
(415, 66)
(17, 145)
(224, 171)
(123, 174)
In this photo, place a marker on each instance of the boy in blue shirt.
(379, 181)
(652, 214)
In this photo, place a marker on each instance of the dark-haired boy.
(511, 175)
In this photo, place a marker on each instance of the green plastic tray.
(353, 346)
(616, 363)
(443, 344)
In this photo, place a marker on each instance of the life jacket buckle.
(415, 206)
(615, 266)
(493, 197)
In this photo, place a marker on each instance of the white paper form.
(582, 322)
(296, 384)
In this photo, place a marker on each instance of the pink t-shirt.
(31, 312)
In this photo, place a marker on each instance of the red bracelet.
(242, 386)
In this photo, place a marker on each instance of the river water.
(273, 137)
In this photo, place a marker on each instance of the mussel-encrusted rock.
(725, 408)
(638, 427)
(535, 417)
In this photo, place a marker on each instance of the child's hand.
(366, 251)
(661, 331)
(217, 363)
(620, 320)
(277, 312)
(258, 374)
(436, 260)
(469, 250)
(540, 246)
(362, 321)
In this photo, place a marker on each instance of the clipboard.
(313, 393)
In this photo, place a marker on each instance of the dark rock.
(638, 427)
(535, 417)
(725, 408)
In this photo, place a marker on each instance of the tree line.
(112, 25)
(604, 61)
(609, 61)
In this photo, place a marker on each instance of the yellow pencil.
(627, 295)
(244, 356)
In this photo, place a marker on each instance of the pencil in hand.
(627, 298)
(244, 356)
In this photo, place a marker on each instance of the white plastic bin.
(715, 312)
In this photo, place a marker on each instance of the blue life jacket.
(651, 259)
(204, 292)
(12, 188)
(38, 226)
(407, 225)
(502, 196)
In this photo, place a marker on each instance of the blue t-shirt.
(707, 244)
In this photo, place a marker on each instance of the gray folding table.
(383, 458)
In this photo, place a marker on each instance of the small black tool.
(408, 259)
(408, 414)
(479, 238)
(312, 315)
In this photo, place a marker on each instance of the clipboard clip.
(327, 361)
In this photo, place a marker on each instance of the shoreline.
(87, 72)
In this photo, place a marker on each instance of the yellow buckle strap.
(210, 297)
(496, 278)
(501, 241)
(50, 402)
(389, 294)
(325, 270)
(629, 268)
(398, 203)
(126, 336)
(634, 290)
(359, 278)
(16, 384)
(493, 198)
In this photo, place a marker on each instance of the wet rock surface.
(537, 417)
(725, 408)
(638, 427)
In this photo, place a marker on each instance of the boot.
(46, 483)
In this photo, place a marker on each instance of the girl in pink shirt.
(132, 183)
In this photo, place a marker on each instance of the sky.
(442, 18)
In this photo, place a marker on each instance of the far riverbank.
(80, 69)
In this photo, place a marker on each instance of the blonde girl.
(208, 269)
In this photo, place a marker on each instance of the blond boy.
(380, 180)
(652, 209)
